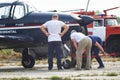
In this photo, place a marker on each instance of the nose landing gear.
(27, 60)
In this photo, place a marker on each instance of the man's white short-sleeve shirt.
(54, 28)
(77, 36)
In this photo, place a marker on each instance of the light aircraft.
(20, 29)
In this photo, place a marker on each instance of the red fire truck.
(106, 27)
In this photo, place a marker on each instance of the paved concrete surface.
(40, 72)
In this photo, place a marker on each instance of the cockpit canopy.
(15, 10)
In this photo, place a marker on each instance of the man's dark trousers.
(54, 46)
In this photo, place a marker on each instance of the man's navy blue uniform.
(95, 50)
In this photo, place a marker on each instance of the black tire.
(67, 64)
(114, 47)
(28, 62)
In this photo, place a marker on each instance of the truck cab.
(99, 25)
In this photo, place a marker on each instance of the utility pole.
(87, 7)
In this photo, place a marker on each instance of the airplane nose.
(85, 20)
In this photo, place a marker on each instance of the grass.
(6, 51)
(111, 74)
(59, 78)
(23, 78)
(9, 54)
(55, 78)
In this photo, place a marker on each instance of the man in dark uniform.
(96, 48)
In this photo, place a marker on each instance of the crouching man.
(81, 43)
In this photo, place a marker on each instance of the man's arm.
(66, 27)
(99, 46)
(43, 29)
(75, 44)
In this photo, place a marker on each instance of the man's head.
(55, 16)
(73, 31)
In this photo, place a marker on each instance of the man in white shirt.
(81, 43)
(54, 35)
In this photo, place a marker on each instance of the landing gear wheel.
(66, 64)
(28, 62)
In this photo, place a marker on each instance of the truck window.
(98, 23)
(111, 22)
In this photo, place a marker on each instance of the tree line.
(118, 18)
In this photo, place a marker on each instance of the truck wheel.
(67, 64)
(28, 62)
(114, 46)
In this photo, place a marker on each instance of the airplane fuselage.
(25, 32)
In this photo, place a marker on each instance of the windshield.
(4, 11)
(98, 23)
(18, 12)
(15, 10)
(111, 22)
